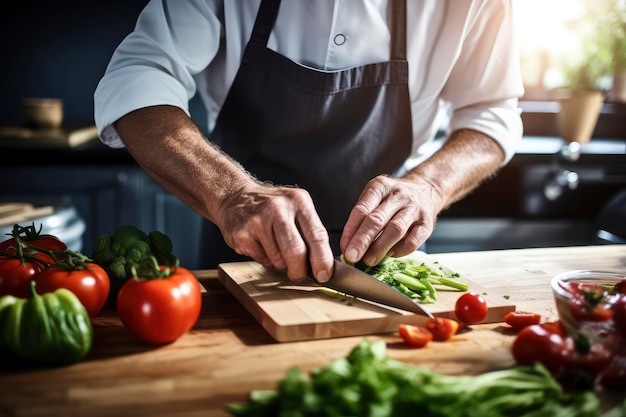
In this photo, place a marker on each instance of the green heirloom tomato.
(53, 328)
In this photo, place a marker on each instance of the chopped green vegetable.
(420, 281)
(368, 383)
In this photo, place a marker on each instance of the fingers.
(279, 228)
(304, 242)
(414, 238)
(292, 248)
(320, 255)
(368, 220)
(389, 218)
(357, 236)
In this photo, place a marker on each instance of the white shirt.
(462, 56)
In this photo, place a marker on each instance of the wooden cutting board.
(305, 311)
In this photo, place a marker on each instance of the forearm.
(172, 150)
(466, 159)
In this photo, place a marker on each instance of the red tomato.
(620, 287)
(30, 254)
(540, 343)
(589, 302)
(90, 284)
(442, 328)
(471, 308)
(160, 310)
(33, 238)
(521, 319)
(619, 315)
(15, 276)
(415, 336)
(581, 310)
(592, 362)
(613, 377)
(578, 288)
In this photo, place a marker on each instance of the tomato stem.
(148, 268)
(66, 259)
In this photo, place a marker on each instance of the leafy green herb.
(506, 297)
(368, 383)
(592, 298)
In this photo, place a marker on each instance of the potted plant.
(580, 101)
(602, 54)
(606, 44)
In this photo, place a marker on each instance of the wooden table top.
(228, 354)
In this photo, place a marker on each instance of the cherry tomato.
(160, 310)
(543, 343)
(619, 315)
(471, 308)
(415, 336)
(591, 362)
(442, 328)
(90, 283)
(16, 275)
(582, 310)
(554, 327)
(613, 377)
(521, 319)
(589, 302)
(579, 289)
(620, 287)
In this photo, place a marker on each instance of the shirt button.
(340, 39)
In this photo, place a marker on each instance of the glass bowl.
(584, 302)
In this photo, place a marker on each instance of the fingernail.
(352, 255)
(323, 276)
(370, 260)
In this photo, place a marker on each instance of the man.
(314, 108)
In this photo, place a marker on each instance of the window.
(555, 35)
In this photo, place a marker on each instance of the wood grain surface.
(292, 311)
(228, 353)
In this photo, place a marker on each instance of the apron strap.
(398, 30)
(264, 23)
(268, 11)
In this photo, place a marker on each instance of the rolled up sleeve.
(156, 63)
(486, 83)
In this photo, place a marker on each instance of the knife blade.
(354, 282)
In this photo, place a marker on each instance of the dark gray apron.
(327, 132)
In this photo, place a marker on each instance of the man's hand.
(393, 216)
(279, 228)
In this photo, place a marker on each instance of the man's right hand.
(278, 227)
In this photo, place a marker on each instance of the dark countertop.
(537, 148)
(91, 153)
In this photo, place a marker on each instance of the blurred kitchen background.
(553, 192)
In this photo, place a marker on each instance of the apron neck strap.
(268, 11)
(398, 30)
(264, 23)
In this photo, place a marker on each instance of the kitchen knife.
(352, 281)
